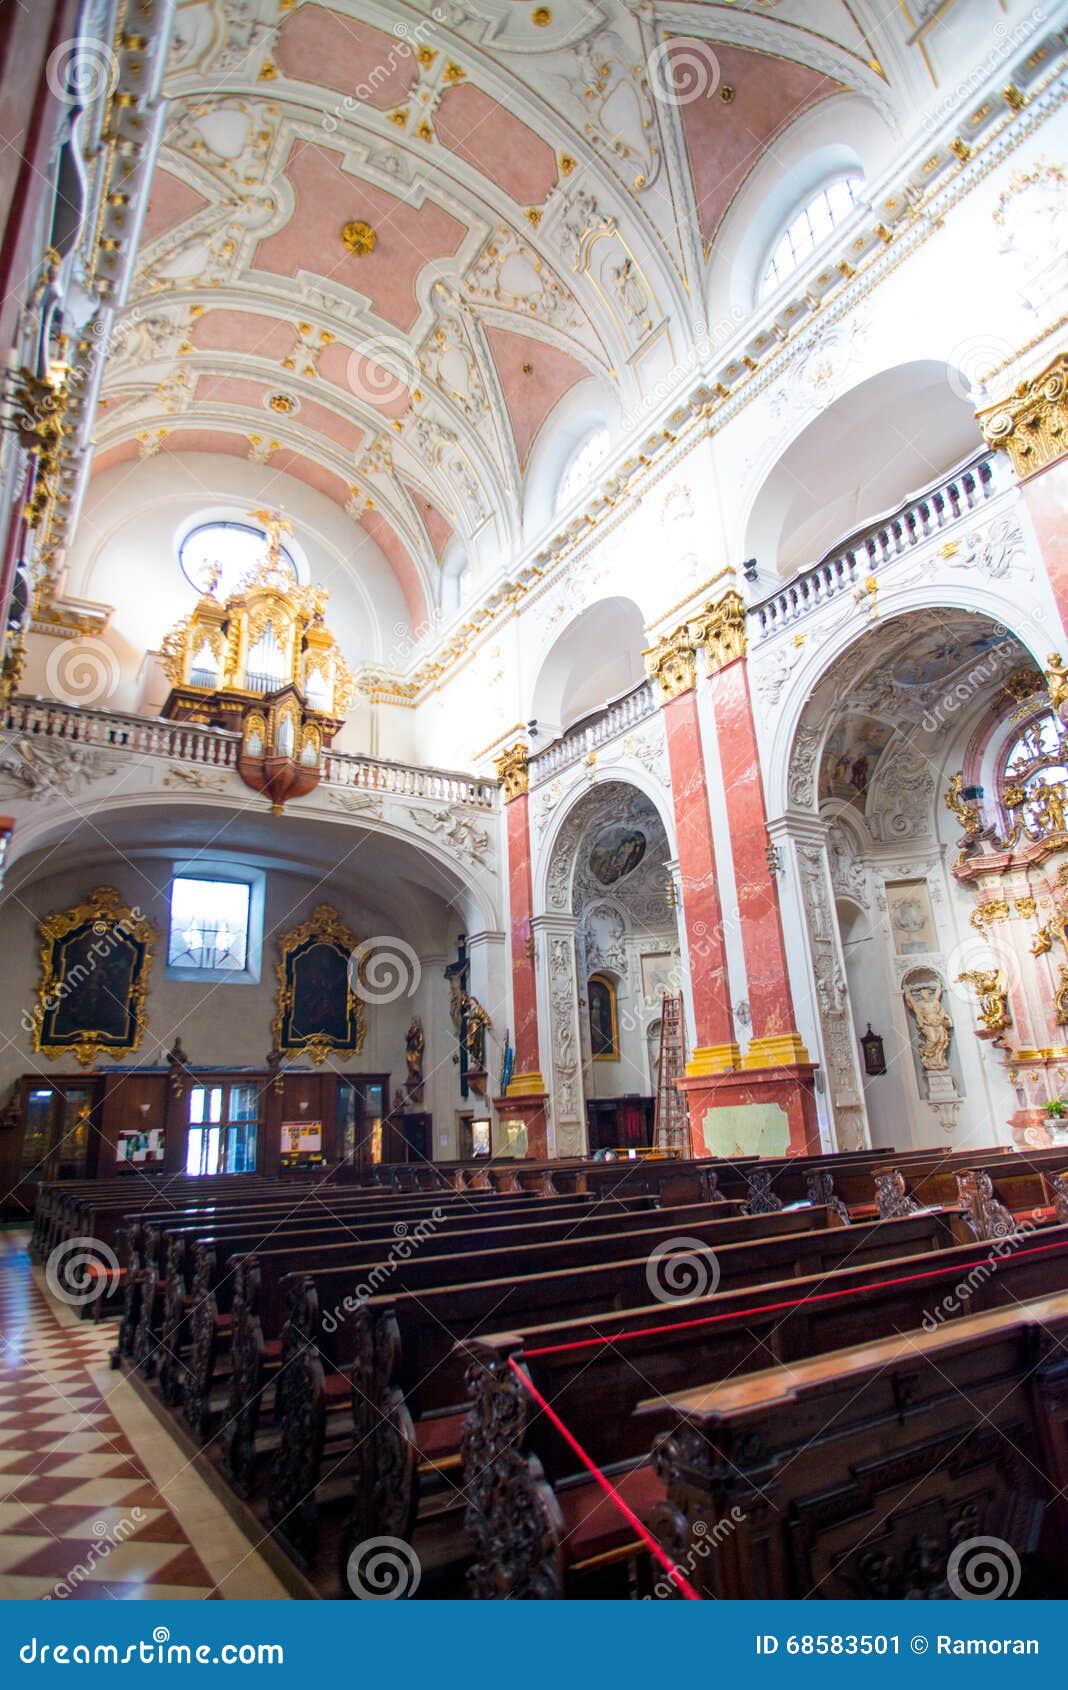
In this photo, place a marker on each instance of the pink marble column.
(770, 1000)
(1046, 497)
(715, 1047)
(525, 1098)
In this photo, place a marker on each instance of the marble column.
(556, 947)
(674, 665)
(770, 1093)
(820, 964)
(523, 1105)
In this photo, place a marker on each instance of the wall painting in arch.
(849, 759)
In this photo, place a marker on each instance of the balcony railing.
(868, 551)
(185, 742)
(585, 736)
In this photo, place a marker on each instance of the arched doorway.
(889, 917)
(611, 950)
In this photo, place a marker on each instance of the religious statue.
(414, 1045)
(1057, 684)
(477, 1024)
(178, 1062)
(993, 993)
(1051, 816)
(932, 1024)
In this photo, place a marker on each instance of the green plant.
(1056, 1108)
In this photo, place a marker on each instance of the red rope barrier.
(607, 1486)
(774, 1308)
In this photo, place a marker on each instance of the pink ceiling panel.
(329, 197)
(534, 377)
(487, 136)
(725, 139)
(369, 66)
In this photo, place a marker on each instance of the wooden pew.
(407, 1375)
(996, 1191)
(142, 1240)
(263, 1336)
(533, 1507)
(257, 1305)
(858, 1473)
(847, 1183)
(178, 1258)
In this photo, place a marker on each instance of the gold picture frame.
(96, 958)
(601, 996)
(318, 1013)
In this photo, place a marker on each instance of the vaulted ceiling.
(385, 240)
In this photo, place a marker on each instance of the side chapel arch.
(601, 903)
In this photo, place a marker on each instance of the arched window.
(455, 577)
(579, 470)
(809, 227)
(1035, 773)
(604, 1018)
(216, 556)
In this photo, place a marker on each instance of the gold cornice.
(695, 593)
(513, 771)
(1031, 424)
(672, 664)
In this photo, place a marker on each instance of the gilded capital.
(721, 630)
(513, 771)
(1032, 423)
(673, 665)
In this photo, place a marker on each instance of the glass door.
(58, 1142)
(223, 1128)
(361, 1107)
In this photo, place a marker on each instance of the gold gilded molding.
(1031, 425)
(776, 1050)
(77, 944)
(324, 929)
(672, 664)
(721, 630)
(513, 771)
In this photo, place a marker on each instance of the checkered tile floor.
(80, 1517)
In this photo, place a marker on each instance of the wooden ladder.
(671, 1130)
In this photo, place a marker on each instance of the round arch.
(596, 659)
(821, 487)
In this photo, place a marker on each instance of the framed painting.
(319, 1013)
(604, 1019)
(95, 963)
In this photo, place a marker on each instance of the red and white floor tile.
(96, 1500)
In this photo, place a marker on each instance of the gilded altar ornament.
(1057, 684)
(966, 811)
(359, 238)
(320, 1010)
(1060, 997)
(1032, 423)
(992, 990)
(263, 664)
(95, 963)
(934, 1026)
